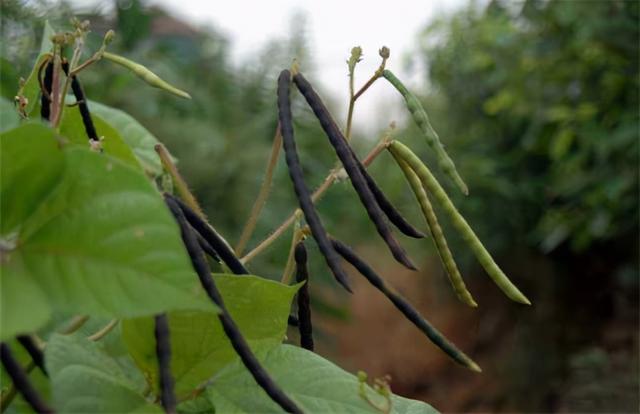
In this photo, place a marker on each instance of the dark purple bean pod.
(83, 106)
(302, 191)
(163, 353)
(214, 240)
(358, 181)
(206, 247)
(238, 342)
(34, 351)
(292, 320)
(21, 381)
(45, 102)
(405, 307)
(387, 208)
(304, 310)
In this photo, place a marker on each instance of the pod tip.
(474, 367)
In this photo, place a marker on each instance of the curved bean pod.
(429, 182)
(405, 307)
(215, 241)
(358, 181)
(389, 210)
(421, 118)
(45, 102)
(438, 236)
(304, 310)
(83, 106)
(302, 192)
(230, 328)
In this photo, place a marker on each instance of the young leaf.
(315, 383)
(31, 88)
(139, 139)
(89, 231)
(199, 347)
(111, 142)
(85, 379)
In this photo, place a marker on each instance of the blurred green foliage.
(539, 101)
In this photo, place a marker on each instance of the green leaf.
(86, 380)
(199, 347)
(87, 230)
(31, 87)
(9, 117)
(316, 384)
(112, 143)
(139, 139)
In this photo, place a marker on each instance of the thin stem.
(178, 181)
(298, 235)
(55, 87)
(104, 331)
(263, 194)
(317, 194)
(352, 101)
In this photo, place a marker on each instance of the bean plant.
(118, 294)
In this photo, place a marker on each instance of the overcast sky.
(334, 27)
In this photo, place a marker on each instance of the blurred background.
(537, 103)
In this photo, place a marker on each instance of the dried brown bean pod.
(405, 307)
(163, 353)
(302, 191)
(21, 381)
(350, 165)
(231, 330)
(304, 310)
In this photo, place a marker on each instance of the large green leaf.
(83, 232)
(316, 385)
(141, 141)
(199, 347)
(86, 380)
(71, 127)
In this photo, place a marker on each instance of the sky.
(334, 27)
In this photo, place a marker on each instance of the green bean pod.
(401, 151)
(421, 118)
(145, 74)
(438, 236)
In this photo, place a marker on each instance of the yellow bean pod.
(421, 118)
(145, 74)
(401, 151)
(438, 236)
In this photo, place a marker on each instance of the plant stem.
(328, 181)
(298, 235)
(263, 194)
(178, 181)
(352, 101)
